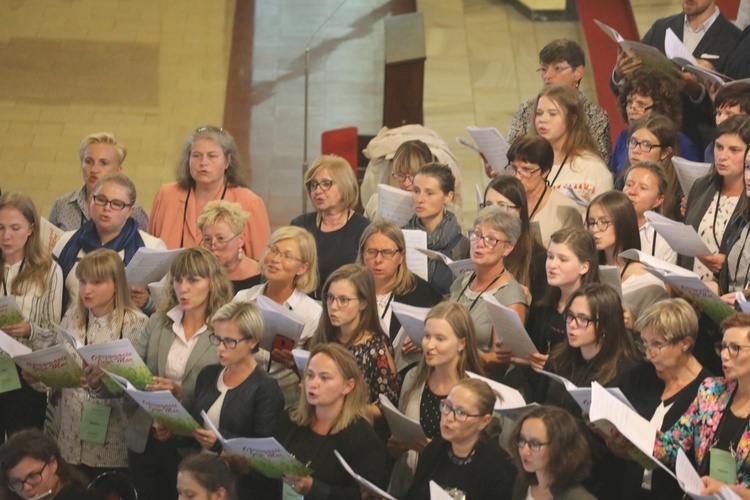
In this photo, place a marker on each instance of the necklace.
(460, 460)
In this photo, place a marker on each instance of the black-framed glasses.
(599, 224)
(521, 172)
(635, 106)
(581, 321)
(402, 177)
(543, 69)
(325, 185)
(645, 146)
(533, 444)
(458, 414)
(341, 300)
(387, 253)
(655, 347)
(118, 205)
(219, 243)
(734, 349)
(32, 479)
(228, 343)
(273, 252)
(502, 206)
(489, 241)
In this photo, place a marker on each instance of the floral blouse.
(372, 357)
(696, 430)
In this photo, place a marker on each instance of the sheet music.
(412, 320)
(673, 47)
(416, 261)
(508, 397)
(403, 427)
(301, 357)
(458, 267)
(364, 483)
(149, 265)
(610, 275)
(438, 493)
(681, 237)
(688, 172)
(395, 205)
(278, 320)
(609, 31)
(509, 328)
(49, 233)
(493, 145)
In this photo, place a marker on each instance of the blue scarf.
(87, 239)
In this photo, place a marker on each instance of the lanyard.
(716, 215)
(536, 207)
(474, 275)
(86, 331)
(625, 268)
(552, 183)
(5, 289)
(184, 213)
(387, 305)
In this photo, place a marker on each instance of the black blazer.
(737, 63)
(424, 295)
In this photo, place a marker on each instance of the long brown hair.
(621, 213)
(582, 244)
(37, 259)
(578, 137)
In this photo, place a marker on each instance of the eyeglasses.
(118, 205)
(658, 346)
(228, 343)
(599, 224)
(521, 172)
(458, 414)
(387, 253)
(533, 444)
(32, 480)
(555, 69)
(273, 252)
(325, 185)
(637, 106)
(219, 243)
(645, 145)
(580, 320)
(341, 300)
(489, 241)
(734, 349)
(502, 206)
(210, 128)
(402, 177)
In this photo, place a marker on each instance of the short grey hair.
(500, 220)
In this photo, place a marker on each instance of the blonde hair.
(223, 211)
(341, 173)
(355, 403)
(245, 315)
(198, 261)
(670, 319)
(308, 281)
(38, 260)
(404, 281)
(105, 265)
(102, 138)
(578, 138)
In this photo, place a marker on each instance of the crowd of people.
(549, 228)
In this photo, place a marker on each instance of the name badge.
(723, 466)
(9, 380)
(94, 422)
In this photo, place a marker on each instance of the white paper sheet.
(509, 328)
(403, 360)
(610, 275)
(673, 47)
(458, 267)
(438, 493)
(681, 237)
(278, 320)
(742, 301)
(412, 320)
(492, 144)
(395, 205)
(301, 357)
(480, 194)
(610, 32)
(49, 233)
(364, 483)
(688, 171)
(509, 398)
(403, 427)
(416, 261)
(149, 265)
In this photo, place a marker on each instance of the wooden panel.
(403, 93)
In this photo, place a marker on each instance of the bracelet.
(149, 305)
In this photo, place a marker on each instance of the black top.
(247, 283)
(738, 61)
(538, 272)
(546, 327)
(358, 445)
(643, 388)
(335, 248)
(424, 295)
(489, 472)
(75, 492)
(429, 412)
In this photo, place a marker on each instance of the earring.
(240, 254)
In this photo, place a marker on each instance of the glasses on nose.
(543, 69)
(489, 241)
(501, 206)
(228, 343)
(637, 106)
(654, 348)
(387, 253)
(734, 349)
(341, 300)
(580, 320)
(458, 414)
(273, 252)
(533, 444)
(402, 177)
(325, 185)
(32, 480)
(521, 172)
(118, 205)
(219, 243)
(599, 224)
(644, 145)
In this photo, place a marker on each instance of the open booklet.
(583, 395)
(54, 366)
(404, 428)
(278, 320)
(395, 205)
(651, 56)
(416, 260)
(690, 481)
(265, 455)
(10, 313)
(688, 172)
(49, 233)
(301, 357)
(149, 265)
(681, 237)
(491, 144)
(509, 328)
(412, 320)
(162, 406)
(363, 483)
(508, 401)
(457, 267)
(686, 282)
(118, 356)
